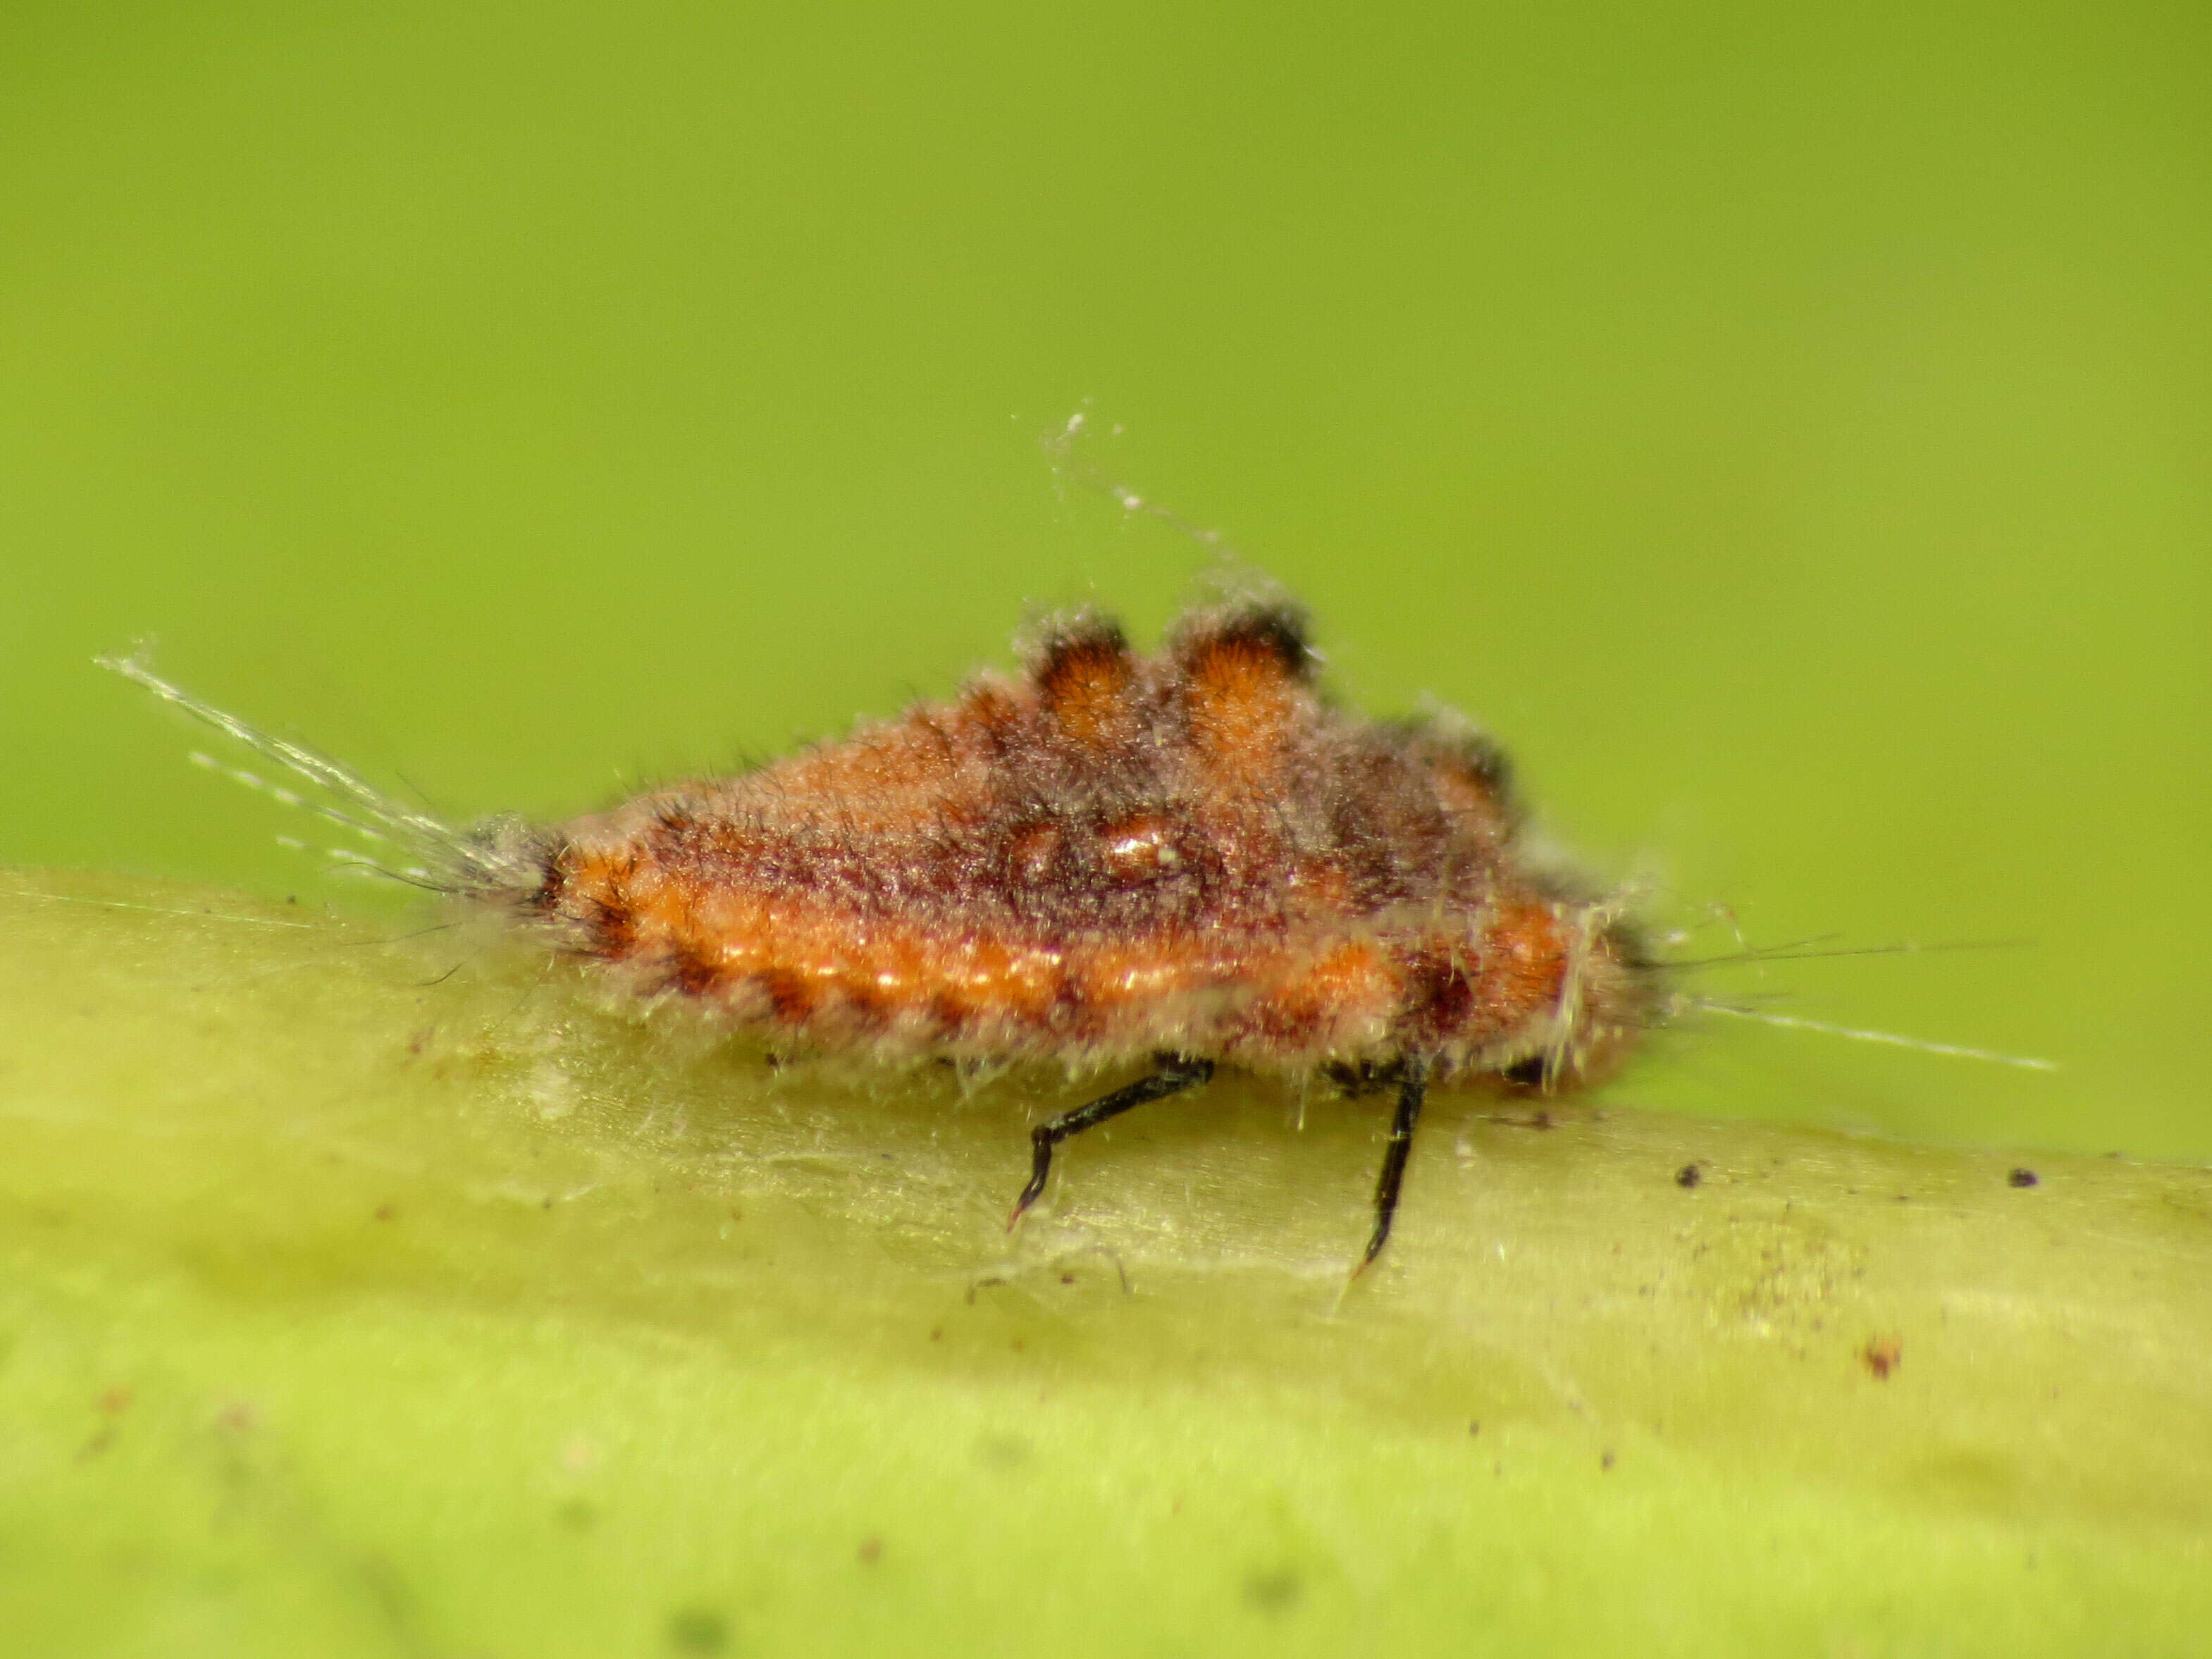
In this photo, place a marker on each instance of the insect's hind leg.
(1175, 1073)
(1412, 1090)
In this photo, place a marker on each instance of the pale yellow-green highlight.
(346, 1312)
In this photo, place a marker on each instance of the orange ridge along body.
(1191, 858)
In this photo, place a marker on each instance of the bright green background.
(1793, 434)
(1791, 431)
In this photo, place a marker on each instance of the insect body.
(1189, 859)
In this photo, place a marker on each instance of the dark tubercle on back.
(1080, 829)
(1085, 677)
(1367, 815)
(1245, 675)
(1258, 631)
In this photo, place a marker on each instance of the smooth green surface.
(344, 1311)
(1788, 427)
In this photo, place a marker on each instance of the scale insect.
(1189, 859)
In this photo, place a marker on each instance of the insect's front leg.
(1412, 1090)
(1175, 1072)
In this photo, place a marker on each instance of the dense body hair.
(1113, 856)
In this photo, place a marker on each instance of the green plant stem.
(382, 1296)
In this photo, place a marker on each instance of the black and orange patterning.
(1189, 859)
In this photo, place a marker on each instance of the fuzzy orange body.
(1192, 859)
(1116, 856)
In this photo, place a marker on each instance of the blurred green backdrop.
(1789, 432)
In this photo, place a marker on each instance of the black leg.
(1412, 1089)
(1177, 1072)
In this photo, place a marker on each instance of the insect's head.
(1610, 995)
(1565, 989)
